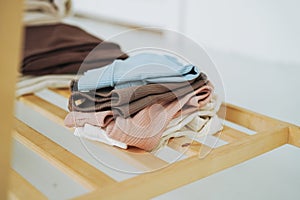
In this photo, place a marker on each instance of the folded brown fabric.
(128, 101)
(61, 49)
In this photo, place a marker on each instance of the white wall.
(262, 29)
(158, 13)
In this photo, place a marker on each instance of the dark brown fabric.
(128, 101)
(61, 49)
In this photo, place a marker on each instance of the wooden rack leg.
(10, 45)
(294, 135)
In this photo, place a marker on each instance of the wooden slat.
(188, 146)
(19, 188)
(79, 170)
(251, 120)
(138, 158)
(192, 148)
(56, 114)
(65, 92)
(229, 134)
(294, 135)
(191, 169)
(10, 49)
(47, 109)
(184, 145)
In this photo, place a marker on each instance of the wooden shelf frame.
(10, 43)
(270, 134)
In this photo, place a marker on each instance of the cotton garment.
(207, 111)
(139, 69)
(97, 134)
(201, 122)
(103, 118)
(64, 49)
(145, 129)
(209, 126)
(31, 84)
(128, 101)
(37, 12)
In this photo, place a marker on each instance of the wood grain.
(294, 135)
(249, 119)
(229, 134)
(85, 174)
(10, 49)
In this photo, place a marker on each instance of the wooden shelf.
(241, 146)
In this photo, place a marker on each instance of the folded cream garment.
(197, 124)
(201, 126)
(97, 134)
(38, 12)
(31, 84)
(196, 119)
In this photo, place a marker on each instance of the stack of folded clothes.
(54, 54)
(143, 101)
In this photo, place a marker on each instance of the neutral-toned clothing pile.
(54, 54)
(143, 101)
(41, 13)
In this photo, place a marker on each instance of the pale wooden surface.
(294, 136)
(229, 134)
(10, 41)
(249, 119)
(83, 173)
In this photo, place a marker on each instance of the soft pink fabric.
(78, 119)
(144, 130)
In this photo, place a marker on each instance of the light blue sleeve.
(139, 69)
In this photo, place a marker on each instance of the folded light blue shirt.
(140, 69)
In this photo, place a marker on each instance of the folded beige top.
(38, 12)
